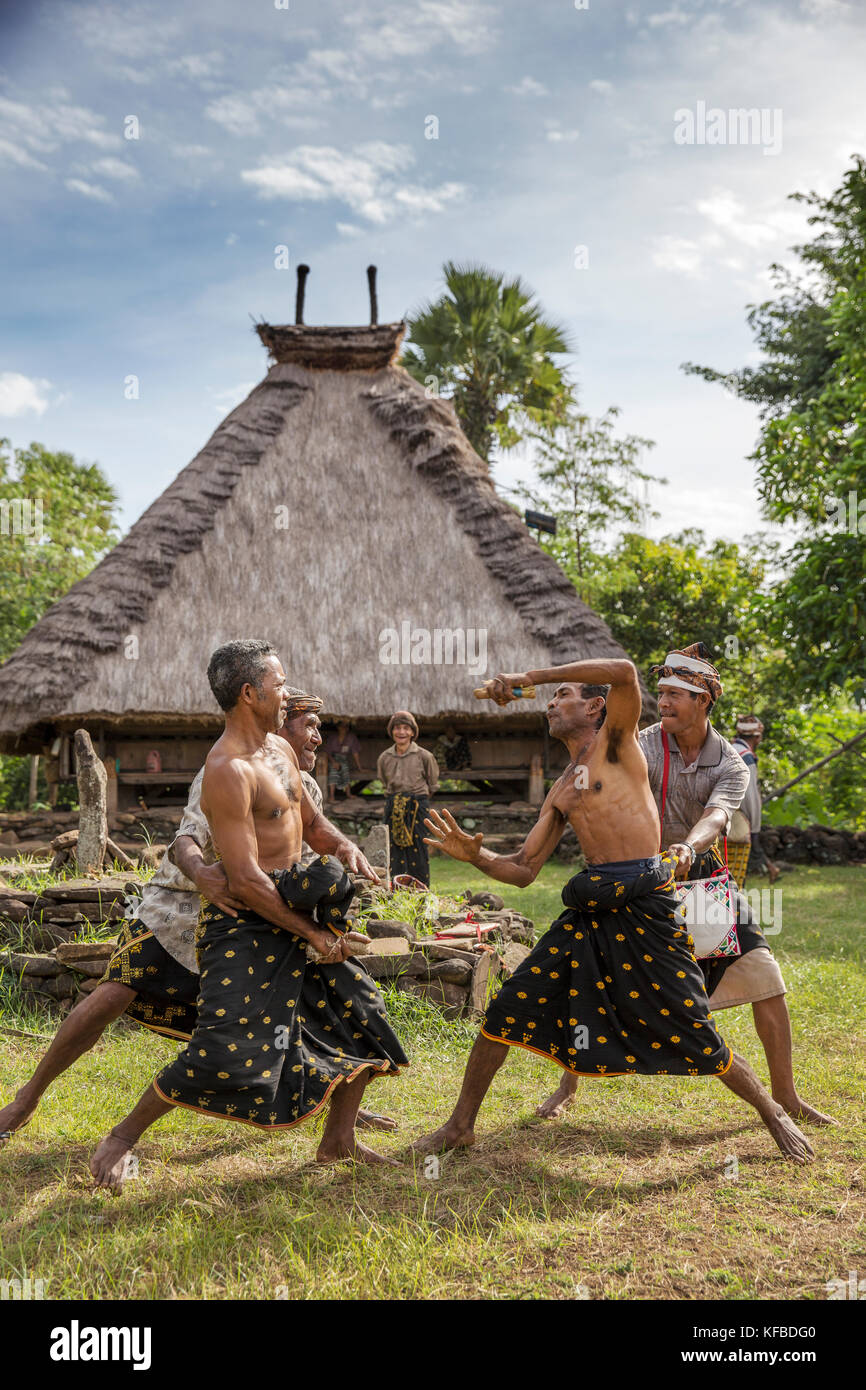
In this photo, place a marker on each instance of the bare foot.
(109, 1162)
(448, 1136)
(355, 1151)
(368, 1120)
(15, 1116)
(797, 1109)
(558, 1103)
(791, 1140)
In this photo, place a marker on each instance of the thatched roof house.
(336, 502)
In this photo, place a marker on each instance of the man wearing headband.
(153, 975)
(750, 731)
(707, 781)
(612, 988)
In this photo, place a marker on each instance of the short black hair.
(235, 665)
(589, 692)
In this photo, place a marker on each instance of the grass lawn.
(628, 1197)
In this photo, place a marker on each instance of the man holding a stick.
(613, 987)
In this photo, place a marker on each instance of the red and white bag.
(708, 906)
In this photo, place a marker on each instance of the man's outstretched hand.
(354, 862)
(445, 834)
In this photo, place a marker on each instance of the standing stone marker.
(93, 800)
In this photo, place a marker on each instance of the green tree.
(486, 345)
(57, 519)
(811, 454)
(587, 478)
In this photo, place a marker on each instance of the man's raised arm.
(623, 701)
(228, 791)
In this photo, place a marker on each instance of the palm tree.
(487, 346)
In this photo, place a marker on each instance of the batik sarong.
(276, 1033)
(613, 987)
(749, 933)
(166, 992)
(404, 816)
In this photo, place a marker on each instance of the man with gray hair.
(288, 1023)
(153, 975)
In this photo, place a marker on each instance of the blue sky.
(305, 126)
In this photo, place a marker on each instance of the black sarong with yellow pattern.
(404, 817)
(613, 988)
(276, 1033)
(166, 992)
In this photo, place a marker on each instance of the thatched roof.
(335, 502)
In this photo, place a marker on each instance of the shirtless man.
(153, 975)
(612, 988)
(306, 1032)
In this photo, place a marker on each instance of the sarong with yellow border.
(613, 987)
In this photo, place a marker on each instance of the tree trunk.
(92, 799)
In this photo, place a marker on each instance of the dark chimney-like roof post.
(303, 272)
(374, 303)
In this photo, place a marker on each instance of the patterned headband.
(690, 670)
(299, 702)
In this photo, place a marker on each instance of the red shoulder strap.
(665, 775)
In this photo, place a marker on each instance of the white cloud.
(428, 200)
(557, 136)
(349, 229)
(666, 17)
(124, 31)
(22, 395)
(365, 179)
(116, 169)
(599, 85)
(725, 210)
(405, 31)
(678, 254)
(13, 154)
(27, 132)
(234, 113)
(232, 239)
(244, 114)
(89, 190)
(192, 151)
(825, 9)
(528, 87)
(198, 67)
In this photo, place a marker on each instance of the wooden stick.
(520, 692)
